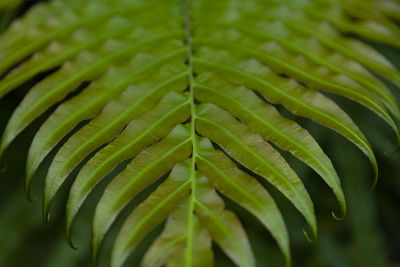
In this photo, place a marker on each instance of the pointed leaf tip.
(375, 181)
(343, 210)
(46, 210)
(28, 190)
(314, 236)
(30, 198)
(70, 243)
(339, 218)
(68, 236)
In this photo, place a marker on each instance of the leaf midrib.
(185, 5)
(225, 230)
(93, 103)
(135, 141)
(112, 204)
(87, 187)
(249, 196)
(159, 206)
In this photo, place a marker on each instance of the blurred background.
(369, 236)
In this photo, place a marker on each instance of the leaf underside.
(189, 89)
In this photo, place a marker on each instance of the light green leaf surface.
(134, 101)
(144, 170)
(151, 212)
(257, 155)
(166, 85)
(245, 190)
(197, 252)
(223, 225)
(265, 120)
(170, 247)
(139, 133)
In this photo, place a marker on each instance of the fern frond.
(139, 133)
(188, 90)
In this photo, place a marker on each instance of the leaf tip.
(28, 193)
(314, 236)
(68, 234)
(338, 218)
(46, 209)
(70, 243)
(375, 181)
(343, 211)
(30, 198)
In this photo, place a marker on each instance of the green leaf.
(351, 48)
(245, 190)
(144, 170)
(169, 247)
(139, 133)
(171, 241)
(192, 87)
(197, 252)
(257, 155)
(307, 103)
(329, 62)
(265, 120)
(115, 115)
(223, 225)
(151, 212)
